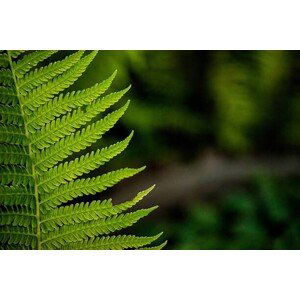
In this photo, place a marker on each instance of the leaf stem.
(33, 171)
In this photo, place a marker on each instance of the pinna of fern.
(40, 127)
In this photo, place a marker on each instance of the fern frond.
(17, 235)
(15, 175)
(40, 127)
(68, 124)
(29, 61)
(45, 74)
(76, 213)
(89, 186)
(4, 60)
(118, 242)
(13, 135)
(14, 155)
(16, 53)
(83, 212)
(128, 204)
(78, 141)
(45, 92)
(17, 196)
(65, 103)
(14, 247)
(6, 77)
(71, 170)
(159, 247)
(78, 232)
(23, 217)
(8, 96)
(11, 115)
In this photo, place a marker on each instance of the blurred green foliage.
(159, 110)
(245, 87)
(262, 215)
(234, 101)
(238, 103)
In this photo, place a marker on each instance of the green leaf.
(76, 142)
(4, 60)
(65, 103)
(66, 125)
(78, 232)
(11, 115)
(16, 235)
(6, 77)
(128, 204)
(83, 212)
(77, 213)
(45, 92)
(29, 61)
(13, 155)
(89, 186)
(23, 217)
(8, 96)
(45, 74)
(15, 175)
(16, 53)
(71, 170)
(118, 242)
(13, 135)
(159, 247)
(17, 196)
(40, 127)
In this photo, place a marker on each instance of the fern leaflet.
(40, 127)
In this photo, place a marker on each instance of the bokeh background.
(219, 132)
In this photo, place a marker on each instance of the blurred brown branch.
(179, 183)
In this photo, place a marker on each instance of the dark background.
(219, 132)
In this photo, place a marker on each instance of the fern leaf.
(11, 115)
(15, 175)
(77, 213)
(29, 61)
(6, 77)
(128, 204)
(74, 143)
(78, 232)
(8, 96)
(71, 170)
(83, 212)
(45, 92)
(45, 74)
(14, 155)
(65, 103)
(16, 235)
(159, 247)
(118, 242)
(16, 53)
(18, 217)
(17, 196)
(4, 60)
(14, 247)
(40, 127)
(13, 135)
(81, 187)
(68, 124)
